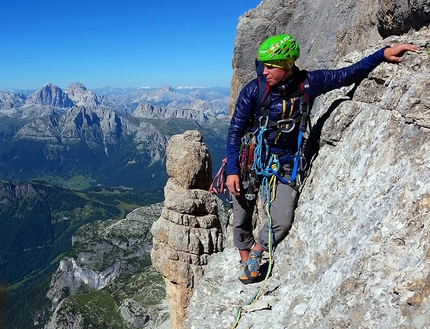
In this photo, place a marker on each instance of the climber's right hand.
(233, 184)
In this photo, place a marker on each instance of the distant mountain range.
(111, 137)
(214, 98)
(77, 138)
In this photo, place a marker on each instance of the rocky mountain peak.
(50, 94)
(165, 88)
(10, 100)
(82, 96)
(76, 86)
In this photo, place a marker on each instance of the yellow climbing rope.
(272, 188)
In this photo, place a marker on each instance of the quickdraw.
(268, 167)
(248, 176)
(218, 183)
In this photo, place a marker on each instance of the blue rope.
(266, 171)
(261, 153)
(263, 165)
(297, 158)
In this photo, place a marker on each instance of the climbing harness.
(267, 166)
(248, 177)
(268, 187)
(262, 160)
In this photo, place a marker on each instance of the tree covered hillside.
(37, 221)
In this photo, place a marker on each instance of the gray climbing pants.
(281, 211)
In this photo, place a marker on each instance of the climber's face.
(274, 74)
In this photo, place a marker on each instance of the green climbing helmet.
(279, 51)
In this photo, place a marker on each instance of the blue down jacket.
(283, 105)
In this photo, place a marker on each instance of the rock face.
(109, 273)
(151, 111)
(358, 253)
(10, 100)
(188, 232)
(188, 161)
(71, 277)
(50, 94)
(10, 192)
(133, 314)
(325, 30)
(397, 17)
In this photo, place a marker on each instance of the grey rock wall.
(151, 111)
(358, 253)
(399, 16)
(325, 30)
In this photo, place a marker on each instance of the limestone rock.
(9, 101)
(188, 161)
(133, 314)
(188, 232)
(73, 320)
(50, 94)
(150, 111)
(10, 192)
(357, 255)
(396, 17)
(325, 30)
(70, 277)
(82, 96)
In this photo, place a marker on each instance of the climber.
(278, 54)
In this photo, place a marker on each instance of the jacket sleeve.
(322, 81)
(241, 122)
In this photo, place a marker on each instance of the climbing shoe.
(241, 273)
(251, 268)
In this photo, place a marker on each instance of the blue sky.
(127, 43)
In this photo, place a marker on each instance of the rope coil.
(268, 168)
(268, 185)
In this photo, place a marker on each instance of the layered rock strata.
(188, 232)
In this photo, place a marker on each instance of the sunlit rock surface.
(358, 253)
(188, 232)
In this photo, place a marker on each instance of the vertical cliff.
(357, 255)
(106, 281)
(325, 30)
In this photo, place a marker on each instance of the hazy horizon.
(179, 87)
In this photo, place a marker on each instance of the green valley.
(37, 222)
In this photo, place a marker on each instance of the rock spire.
(188, 232)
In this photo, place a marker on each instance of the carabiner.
(287, 123)
(266, 123)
